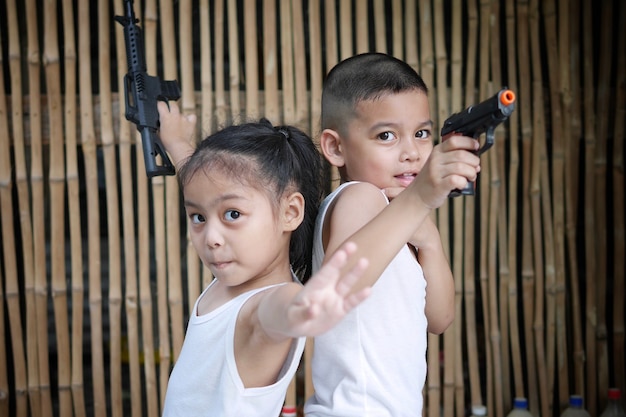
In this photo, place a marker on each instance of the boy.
(376, 128)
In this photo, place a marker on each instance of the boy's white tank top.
(373, 363)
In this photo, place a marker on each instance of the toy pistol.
(476, 120)
(141, 94)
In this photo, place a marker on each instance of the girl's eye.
(423, 134)
(386, 136)
(197, 218)
(232, 215)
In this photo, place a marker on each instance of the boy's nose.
(410, 150)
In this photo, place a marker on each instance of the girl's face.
(236, 230)
(389, 140)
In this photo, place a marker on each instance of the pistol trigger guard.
(488, 141)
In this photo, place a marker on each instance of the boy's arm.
(362, 215)
(176, 132)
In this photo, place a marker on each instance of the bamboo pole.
(188, 106)
(454, 391)
(57, 207)
(73, 206)
(233, 61)
(37, 206)
(572, 107)
(497, 309)
(302, 110)
(128, 230)
(361, 27)
(163, 348)
(332, 58)
(603, 104)
(222, 109)
(442, 214)
(143, 236)
(195, 269)
(11, 287)
(541, 241)
(410, 35)
(315, 69)
(286, 47)
(112, 211)
(513, 202)
(427, 58)
(88, 142)
(251, 75)
(31, 283)
(551, 291)
(482, 199)
(345, 29)
(173, 279)
(6, 205)
(397, 29)
(541, 219)
(589, 212)
(380, 34)
(476, 397)
(270, 63)
(559, 151)
(527, 273)
(619, 277)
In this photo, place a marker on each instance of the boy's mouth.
(405, 178)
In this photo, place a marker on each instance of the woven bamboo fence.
(97, 274)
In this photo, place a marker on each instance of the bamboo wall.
(97, 274)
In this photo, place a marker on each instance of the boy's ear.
(330, 144)
(293, 213)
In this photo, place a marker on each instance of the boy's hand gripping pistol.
(478, 119)
(142, 92)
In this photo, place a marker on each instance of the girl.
(251, 194)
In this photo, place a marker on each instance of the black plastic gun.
(141, 94)
(476, 120)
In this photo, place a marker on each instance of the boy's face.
(388, 141)
(235, 229)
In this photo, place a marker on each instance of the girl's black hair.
(281, 159)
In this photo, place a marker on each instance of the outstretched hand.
(327, 297)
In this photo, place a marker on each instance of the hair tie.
(284, 132)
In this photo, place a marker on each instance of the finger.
(357, 298)
(345, 283)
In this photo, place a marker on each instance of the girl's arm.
(295, 311)
(177, 132)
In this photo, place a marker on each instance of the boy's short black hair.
(361, 77)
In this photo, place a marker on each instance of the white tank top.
(205, 380)
(373, 363)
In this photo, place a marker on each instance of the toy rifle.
(476, 120)
(141, 94)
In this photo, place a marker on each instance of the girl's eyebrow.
(220, 199)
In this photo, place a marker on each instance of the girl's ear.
(293, 213)
(330, 144)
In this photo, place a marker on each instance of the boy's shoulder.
(357, 199)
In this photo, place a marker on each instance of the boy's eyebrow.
(427, 123)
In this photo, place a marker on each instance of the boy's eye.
(197, 218)
(423, 134)
(386, 136)
(232, 215)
